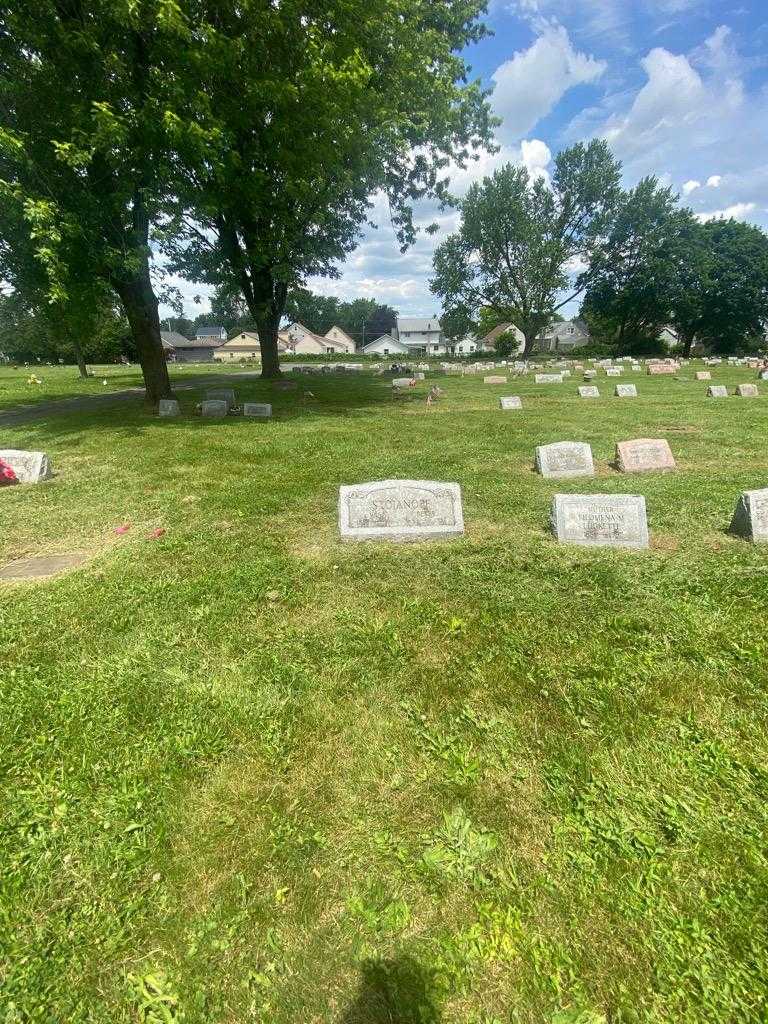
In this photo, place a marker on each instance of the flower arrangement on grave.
(7, 474)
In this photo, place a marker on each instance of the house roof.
(200, 343)
(245, 341)
(339, 330)
(209, 331)
(389, 340)
(172, 339)
(497, 331)
(418, 323)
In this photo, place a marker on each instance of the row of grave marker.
(412, 510)
(217, 404)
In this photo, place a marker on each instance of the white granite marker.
(221, 395)
(703, 375)
(750, 519)
(589, 391)
(747, 391)
(494, 380)
(548, 378)
(613, 371)
(643, 455)
(403, 382)
(625, 391)
(511, 402)
(717, 391)
(214, 408)
(400, 510)
(29, 467)
(261, 410)
(564, 459)
(168, 407)
(597, 520)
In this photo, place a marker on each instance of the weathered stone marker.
(703, 375)
(548, 378)
(656, 369)
(747, 391)
(403, 382)
(168, 407)
(589, 391)
(596, 520)
(29, 467)
(644, 455)
(613, 371)
(400, 510)
(625, 391)
(262, 410)
(494, 380)
(750, 519)
(511, 402)
(214, 408)
(564, 459)
(221, 395)
(717, 391)
(590, 374)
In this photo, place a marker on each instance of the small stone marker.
(590, 374)
(655, 369)
(29, 467)
(613, 371)
(636, 368)
(261, 410)
(643, 455)
(750, 519)
(168, 407)
(548, 378)
(747, 391)
(763, 375)
(703, 375)
(400, 510)
(511, 402)
(596, 520)
(402, 382)
(589, 391)
(419, 375)
(214, 408)
(40, 566)
(564, 459)
(494, 380)
(717, 391)
(221, 395)
(625, 391)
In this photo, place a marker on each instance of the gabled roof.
(209, 331)
(389, 340)
(245, 340)
(497, 331)
(418, 323)
(343, 334)
(196, 342)
(172, 339)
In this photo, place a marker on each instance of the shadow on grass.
(396, 991)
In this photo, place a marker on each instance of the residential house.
(242, 346)
(213, 331)
(490, 339)
(307, 343)
(340, 337)
(562, 336)
(421, 335)
(386, 345)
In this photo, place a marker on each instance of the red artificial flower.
(7, 474)
(159, 532)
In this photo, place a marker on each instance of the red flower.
(7, 475)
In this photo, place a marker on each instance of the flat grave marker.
(703, 375)
(168, 407)
(221, 395)
(600, 520)
(259, 410)
(400, 510)
(625, 391)
(717, 391)
(548, 378)
(511, 402)
(589, 391)
(494, 380)
(29, 467)
(564, 459)
(214, 408)
(747, 391)
(643, 455)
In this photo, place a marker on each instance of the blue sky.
(679, 88)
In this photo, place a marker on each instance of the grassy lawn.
(250, 774)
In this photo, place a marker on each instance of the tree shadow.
(394, 991)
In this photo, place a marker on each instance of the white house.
(307, 343)
(243, 346)
(386, 345)
(422, 335)
(490, 339)
(559, 337)
(341, 338)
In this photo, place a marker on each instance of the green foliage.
(518, 237)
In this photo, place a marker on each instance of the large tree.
(522, 239)
(721, 295)
(88, 90)
(631, 295)
(307, 111)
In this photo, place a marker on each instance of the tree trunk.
(530, 341)
(267, 327)
(687, 340)
(140, 305)
(80, 358)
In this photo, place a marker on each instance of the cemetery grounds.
(252, 774)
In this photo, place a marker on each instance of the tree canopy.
(521, 239)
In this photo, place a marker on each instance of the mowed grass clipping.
(250, 774)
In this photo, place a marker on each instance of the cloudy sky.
(679, 88)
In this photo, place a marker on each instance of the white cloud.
(531, 83)
(690, 186)
(713, 181)
(738, 211)
(535, 156)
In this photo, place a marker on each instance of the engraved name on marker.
(600, 520)
(400, 510)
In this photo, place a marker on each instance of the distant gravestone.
(29, 467)
(511, 402)
(763, 375)
(419, 375)
(625, 391)
(548, 378)
(261, 410)
(644, 455)
(656, 369)
(168, 407)
(400, 510)
(589, 391)
(494, 380)
(590, 374)
(703, 375)
(403, 382)
(717, 391)
(40, 566)
(597, 520)
(747, 391)
(214, 408)
(636, 368)
(750, 519)
(565, 459)
(613, 371)
(221, 395)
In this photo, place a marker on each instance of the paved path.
(88, 403)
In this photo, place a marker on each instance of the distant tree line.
(527, 246)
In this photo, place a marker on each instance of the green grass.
(250, 774)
